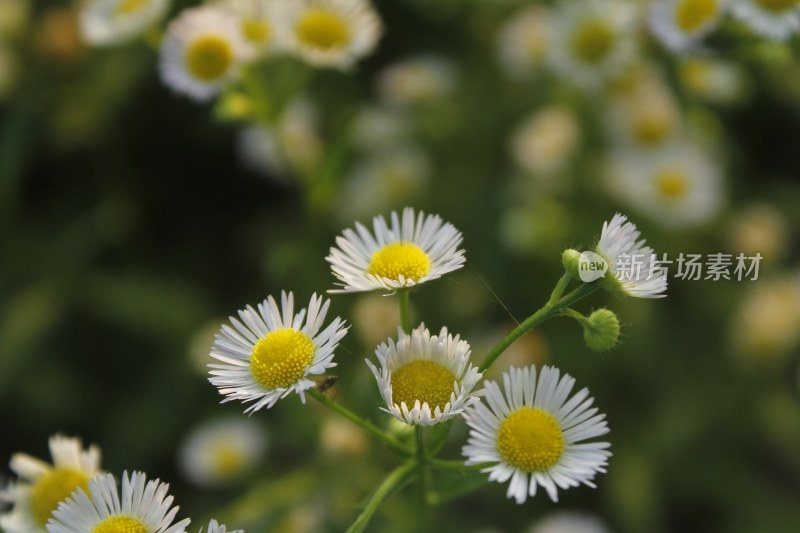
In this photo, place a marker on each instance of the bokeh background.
(133, 221)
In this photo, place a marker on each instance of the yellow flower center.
(127, 7)
(425, 381)
(593, 41)
(691, 15)
(778, 6)
(323, 29)
(651, 127)
(672, 183)
(400, 259)
(120, 524)
(256, 31)
(280, 358)
(52, 488)
(209, 57)
(530, 439)
(228, 460)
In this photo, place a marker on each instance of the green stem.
(550, 309)
(405, 314)
(371, 428)
(558, 290)
(398, 476)
(421, 461)
(453, 465)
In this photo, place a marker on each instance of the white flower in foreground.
(272, 351)
(774, 19)
(257, 22)
(42, 486)
(330, 33)
(221, 451)
(425, 379)
(413, 250)
(569, 522)
(677, 186)
(202, 52)
(532, 433)
(592, 40)
(680, 24)
(630, 266)
(107, 22)
(214, 527)
(524, 41)
(141, 507)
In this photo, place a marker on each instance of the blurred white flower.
(712, 79)
(678, 185)
(339, 437)
(759, 228)
(645, 116)
(260, 151)
(377, 127)
(109, 22)
(257, 21)
(330, 33)
(41, 486)
(416, 80)
(524, 41)
(774, 19)
(569, 522)
(593, 40)
(201, 52)
(680, 24)
(375, 318)
(545, 140)
(221, 451)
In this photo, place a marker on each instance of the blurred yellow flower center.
(280, 358)
(425, 381)
(530, 439)
(691, 15)
(209, 57)
(126, 7)
(323, 29)
(651, 127)
(778, 6)
(593, 41)
(400, 259)
(672, 183)
(120, 524)
(256, 31)
(52, 488)
(228, 460)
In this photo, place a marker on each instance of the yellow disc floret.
(652, 126)
(126, 7)
(530, 439)
(53, 487)
(120, 524)
(400, 259)
(256, 31)
(208, 58)
(229, 461)
(425, 381)
(281, 358)
(323, 29)
(592, 41)
(778, 6)
(672, 183)
(691, 15)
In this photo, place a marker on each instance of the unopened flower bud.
(601, 330)
(570, 259)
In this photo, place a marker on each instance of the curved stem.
(405, 313)
(398, 476)
(549, 310)
(371, 428)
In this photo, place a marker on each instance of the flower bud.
(601, 330)
(570, 259)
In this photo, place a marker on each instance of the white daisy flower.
(592, 40)
(202, 52)
(680, 24)
(416, 80)
(272, 351)
(644, 116)
(544, 141)
(221, 451)
(108, 22)
(524, 42)
(330, 33)
(413, 250)
(713, 79)
(257, 22)
(143, 507)
(42, 486)
(533, 433)
(214, 527)
(425, 379)
(630, 265)
(774, 19)
(677, 186)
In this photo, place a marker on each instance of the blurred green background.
(130, 229)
